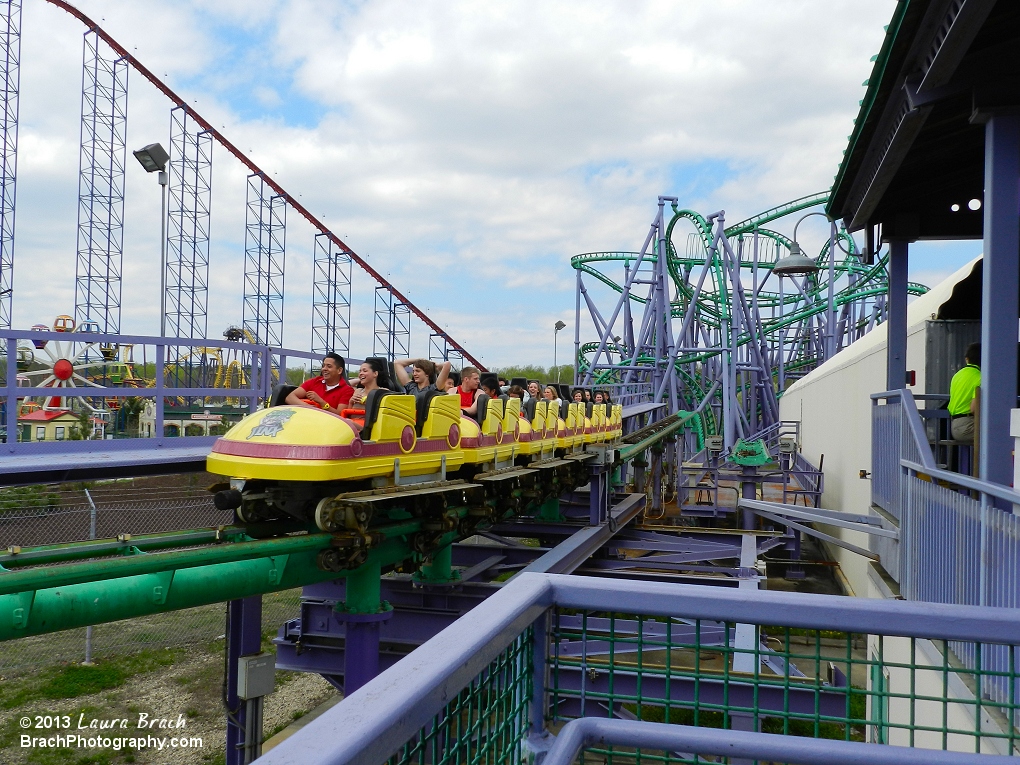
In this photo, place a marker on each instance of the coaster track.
(714, 312)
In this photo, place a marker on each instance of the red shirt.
(336, 397)
(467, 398)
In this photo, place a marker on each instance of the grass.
(74, 680)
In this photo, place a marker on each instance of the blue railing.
(171, 369)
(839, 673)
(689, 743)
(957, 543)
(885, 452)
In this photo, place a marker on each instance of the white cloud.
(467, 149)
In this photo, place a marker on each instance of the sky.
(467, 150)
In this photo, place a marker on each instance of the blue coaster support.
(10, 74)
(331, 298)
(100, 251)
(264, 259)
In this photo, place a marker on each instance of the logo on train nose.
(272, 423)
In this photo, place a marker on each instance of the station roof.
(917, 148)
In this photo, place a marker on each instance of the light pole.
(556, 330)
(798, 263)
(154, 158)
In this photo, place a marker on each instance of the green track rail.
(713, 304)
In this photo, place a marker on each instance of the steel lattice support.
(331, 298)
(10, 59)
(264, 256)
(100, 252)
(440, 349)
(706, 322)
(187, 267)
(392, 328)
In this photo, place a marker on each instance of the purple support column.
(657, 479)
(748, 490)
(896, 348)
(244, 638)
(577, 329)
(362, 611)
(1001, 280)
(361, 648)
(599, 495)
(11, 397)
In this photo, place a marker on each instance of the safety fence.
(833, 676)
(959, 541)
(628, 393)
(120, 388)
(885, 451)
(39, 515)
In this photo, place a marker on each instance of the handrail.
(586, 732)
(370, 724)
(966, 481)
(886, 394)
(916, 429)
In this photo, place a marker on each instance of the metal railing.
(833, 675)
(885, 451)
(594, 735)
(628, 393)
(957, 543)
(101, 379)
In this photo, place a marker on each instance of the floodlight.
(152, 157)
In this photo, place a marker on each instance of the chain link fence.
(41, 515)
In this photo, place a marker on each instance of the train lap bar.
(267, 178)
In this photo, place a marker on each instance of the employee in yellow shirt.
(961, 394)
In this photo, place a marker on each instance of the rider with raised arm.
(423, 377)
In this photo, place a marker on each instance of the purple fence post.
(12, 394)
(160, 353)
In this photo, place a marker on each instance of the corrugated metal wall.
(945, 342)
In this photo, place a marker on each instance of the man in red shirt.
(468, 390)
(330, 391)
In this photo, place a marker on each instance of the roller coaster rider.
(491, 387)
(329, 390)
(371, 376)
(423, 378)
(468, 390)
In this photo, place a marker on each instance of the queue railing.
(100, 377)
(828, 674)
